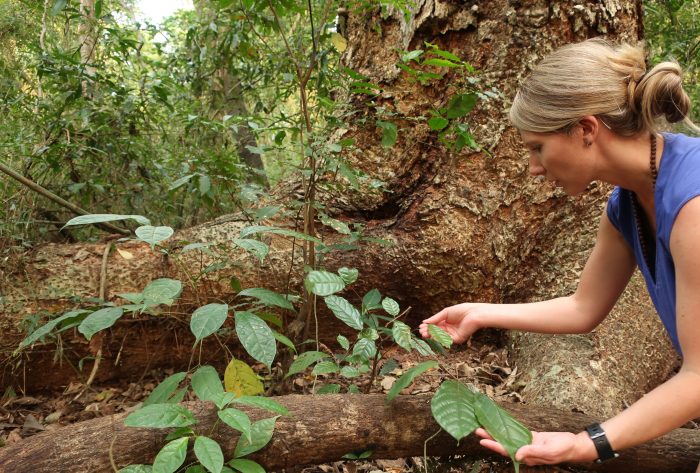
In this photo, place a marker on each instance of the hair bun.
(660, 93)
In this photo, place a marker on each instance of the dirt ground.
(483, 362)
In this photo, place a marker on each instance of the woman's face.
(560, 158)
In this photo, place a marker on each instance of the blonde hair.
(596, 78)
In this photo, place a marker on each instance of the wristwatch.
(602, 446)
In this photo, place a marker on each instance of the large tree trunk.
(464, 226)
(323, 429)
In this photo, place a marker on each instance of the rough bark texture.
(464, 226)
(319, 430)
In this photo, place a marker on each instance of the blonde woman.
(588, 112)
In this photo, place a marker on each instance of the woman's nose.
(536, 169)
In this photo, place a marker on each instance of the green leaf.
(209, 454)
(222, 399)
(206, 383)
(438, 123)
(267, 297)
(160, 416)
(501, 425)
(163, 392)
(337, 225)
(329, 389)
(440, 336)
(343, 342)
(407, 378)
(207, 320)
(246, 466)
(254, 229)
(305, 360)
(389, 133)
(452, 409)
(240, 379)
(57, 7)
(388, 366)
(348, 275)
(262, 403)
(371, 300)
(171, 456)
(225, 3)
(136, 469)
(284, 340)
(391, 306)
(48, 327)
(260, 433)
(402, 335)
(344, 311)
(323, 283)
(365, 348)
(440, 63)
(153, 235)
(411, 55)
(236, 419)
(349, 371)
(421, 346)
(256, 337)
(162, 291)
(446, 55)
(461, 105)
(325, 367)
(98, 8)
(100, 218)
(99, 320)
(255, 247)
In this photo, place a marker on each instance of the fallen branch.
(319, 430)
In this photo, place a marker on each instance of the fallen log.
(320, 430)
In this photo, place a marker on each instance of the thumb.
(437, 317)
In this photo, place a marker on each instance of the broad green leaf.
(452, 409)
(49, 326)
(100, 218)
(207, 320)
(209, 454)
(153, 235)
(407, 378)
(171, 456)
(350, 371)
(256, 247)
(411, 55)
(365, 348)
(421, 347)
(344, 311)
(284, 340)
(440, 62)
(222, 399)
(273, 319)
(206, 383)
(402, 335)
(262, 403)
(260, 435)
(236, 419)
(325, 367)
(136, 469)
(391, 306)
(348, 275)
(162, 291)
(501, 426)
(98, 8)
(343, 342)
(160, 416)
(246, 466)
(388, 366)
(461, 105)
(267, 297)
(438, 123)
(239, 378)
(323, 283)
(445, 54)
(99, 320)
(389, 133)
(371, 300)
(254, 229)
(305, 360)
(163, 392)
(440, 336)
(329, 389)
(337, 225)
(179, 432)
(256, 337)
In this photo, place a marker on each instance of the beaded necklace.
(647, 240)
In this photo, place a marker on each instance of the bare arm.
(603, 279)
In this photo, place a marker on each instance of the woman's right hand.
(459, 321)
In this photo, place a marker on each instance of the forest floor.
(483, 363)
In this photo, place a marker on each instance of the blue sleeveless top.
(678, 182)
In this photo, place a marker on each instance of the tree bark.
(467, 226)
(321, 429)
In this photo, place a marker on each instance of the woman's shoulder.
(678, 143)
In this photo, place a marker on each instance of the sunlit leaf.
(153, 235)
(100, 218)
(340, 43)
(239, 378)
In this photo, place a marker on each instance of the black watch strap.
(602, 446)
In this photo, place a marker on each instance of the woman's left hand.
(547, 448)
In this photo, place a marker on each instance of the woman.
(588, 112)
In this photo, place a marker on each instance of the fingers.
(481, 432)
(439, 317)
(495, 446)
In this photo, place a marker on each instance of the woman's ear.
(589, 129)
